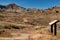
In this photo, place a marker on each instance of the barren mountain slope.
(31, 24)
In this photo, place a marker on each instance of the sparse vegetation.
(34, 22)
(57, 11)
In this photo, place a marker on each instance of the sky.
(39, 4)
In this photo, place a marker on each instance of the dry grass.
(33, 24)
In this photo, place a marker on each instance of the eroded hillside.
(31, 24)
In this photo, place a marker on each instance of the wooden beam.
(55, 21)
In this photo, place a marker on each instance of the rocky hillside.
(32, 22)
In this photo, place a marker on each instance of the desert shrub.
(11, 26)
(15, 27)
(1, 31)
(1, 16)
(7, 27)
(28, 10)
(57, 11)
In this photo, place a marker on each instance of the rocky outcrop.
(14, 8)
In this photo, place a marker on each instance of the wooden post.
(55, 29)
(51, 28)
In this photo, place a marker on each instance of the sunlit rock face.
(14, 8)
